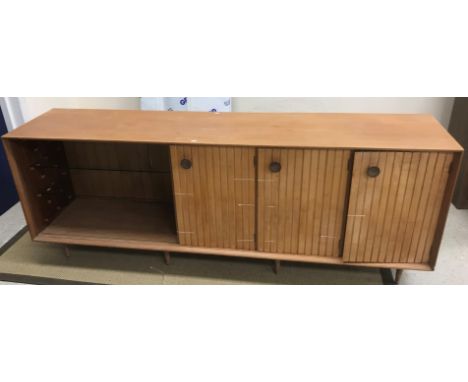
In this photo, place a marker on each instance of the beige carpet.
(47, 263)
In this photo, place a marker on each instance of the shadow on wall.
(439, 107)
(8, 195)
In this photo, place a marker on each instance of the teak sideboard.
(358, 189)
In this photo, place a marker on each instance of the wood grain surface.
(215, 198)
(347, 131)
(392, 217)
(300, 208)
(229, 202)
(114, 219)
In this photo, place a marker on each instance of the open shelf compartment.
(105, 191)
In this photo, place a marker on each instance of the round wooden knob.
(373, 171)
(275, 167)
(186, 164)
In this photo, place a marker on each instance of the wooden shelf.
(114, 219)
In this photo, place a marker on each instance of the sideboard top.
(353, 131)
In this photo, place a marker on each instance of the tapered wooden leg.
(66, 249)
(167, 258)
(276, 266)
(398, 274)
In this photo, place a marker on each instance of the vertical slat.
(330, 233)
(413, 164)
(215, 198)
(188, 230)
(399, 205)
(398, 209)
(282, 201)
(354, 210)
(372, 160)
(211, 195)
(289, 199)
(179, 201)
(300, 208)
(193, 230)
(411, 222)
(296, 200)
(318, 204)
(390, 206)
(272, 188)
(381, 162)
(326, 212)
(252, 197)
(312, 201)
(422, 207)
(366, 184)
(223, 201)
(263, 231)
(231, 185)
(225, 197)
(238, 200)
(406, 208)
(245, 205)
(266, 203)
(341, 202)
(217, 202)
(202, 223)
(186, 195)
(304, 206)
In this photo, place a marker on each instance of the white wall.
(31, 107)
(11, 112)
(438, 107)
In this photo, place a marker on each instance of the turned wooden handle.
(275, 167)
(373, 171)
(186, 164)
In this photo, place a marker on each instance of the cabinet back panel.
(118, 156)
(139, 185)
(120, 170)
(215, 198)
(392, 218)
(301, 207)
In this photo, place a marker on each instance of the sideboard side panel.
(41, 176)
(393, 217)
(455, 168)
(16, 160)
(215, 198)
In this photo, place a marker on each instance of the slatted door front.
(214, 190)
(301, 197)
(394, 205)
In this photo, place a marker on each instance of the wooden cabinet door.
(394, 205)
(301, 197)
(214, 190)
